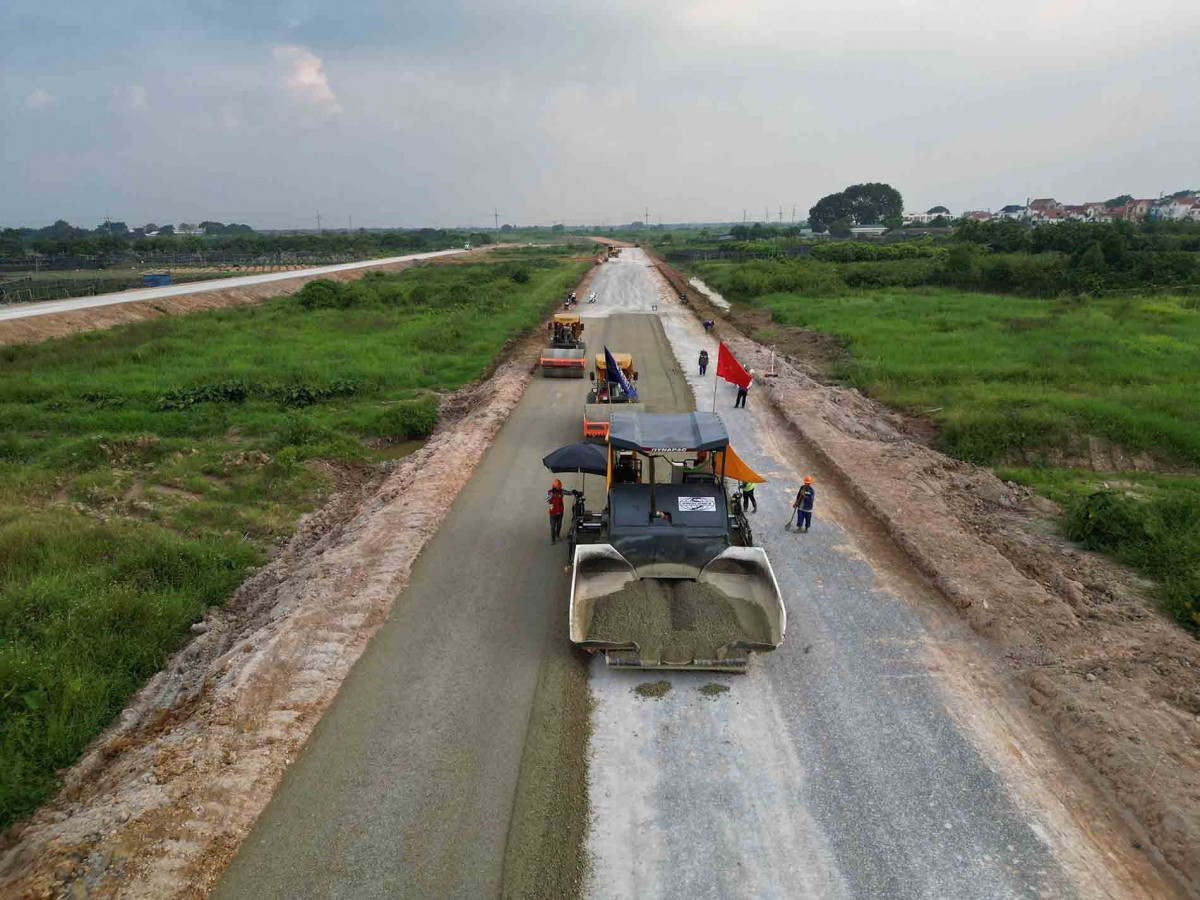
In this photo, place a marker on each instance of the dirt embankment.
(1118, 681)
(53, 325)
(163, 799)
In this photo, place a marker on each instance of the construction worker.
(748, 500)
(743, 391)
(554, 497)
(703, 362)
(803, 506)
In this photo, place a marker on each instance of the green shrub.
(408, 420)
(1159, 536)
(319, 294)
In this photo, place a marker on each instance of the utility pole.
(743, 215)
(793, 213)
(318, 221)
(496, 216)
(646, 216)
(781, 214)
(766, 215)
(349, 223)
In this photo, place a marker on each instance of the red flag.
(730, 369)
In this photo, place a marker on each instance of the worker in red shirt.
(555, 498)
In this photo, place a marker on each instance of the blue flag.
(615, 374)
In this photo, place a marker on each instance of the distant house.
(1012, 211)
(1095, 211)
(1046, 209)
(868, 230)
(1138, 210)
(1179, 209)
(1076, 213)
(979, 215)
(927, 216)
(1049, 216)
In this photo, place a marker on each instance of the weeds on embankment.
(1035, 384)
(143, 469)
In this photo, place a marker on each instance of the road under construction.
(473, 752)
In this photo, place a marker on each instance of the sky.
(388, 113)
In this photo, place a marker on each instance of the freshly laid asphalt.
(834, 769)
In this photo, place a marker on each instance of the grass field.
(143, 469)
(1031, 384)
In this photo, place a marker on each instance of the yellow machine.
(566, 355)
(604, 394)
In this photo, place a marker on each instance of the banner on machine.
(616, 375)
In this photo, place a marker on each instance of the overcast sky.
(396, 113)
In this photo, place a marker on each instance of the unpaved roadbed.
(1119, 682)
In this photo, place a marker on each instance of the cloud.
(38, 98)
(305, 79)
(130, 97)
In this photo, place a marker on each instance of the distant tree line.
(116, 239)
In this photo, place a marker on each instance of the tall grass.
(1016, 380)
(142, 469)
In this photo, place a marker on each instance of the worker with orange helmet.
(803, 506)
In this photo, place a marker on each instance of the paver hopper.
(666, 579)
(566, 354)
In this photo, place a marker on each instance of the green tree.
(166, 230)
(861, 204)
(1119, 201)
(11, 245)
(840, 227)
(560, 228)
(506, 228)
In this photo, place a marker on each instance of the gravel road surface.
(864, 758)
(843, 766)
(46, 307)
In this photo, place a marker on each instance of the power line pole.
(781, 214)
(766, 215)
(646, 216)
(496, 216)
(318, 221)
(793, 213)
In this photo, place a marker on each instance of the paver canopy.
(676, 431)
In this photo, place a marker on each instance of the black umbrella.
(587, 459)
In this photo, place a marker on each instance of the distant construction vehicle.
(667, 577)
(566, 355)
(613, 252)
(604, 393)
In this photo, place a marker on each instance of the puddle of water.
(713, 297)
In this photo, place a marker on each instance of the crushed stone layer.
(676, 621)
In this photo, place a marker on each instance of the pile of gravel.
(676, 621)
